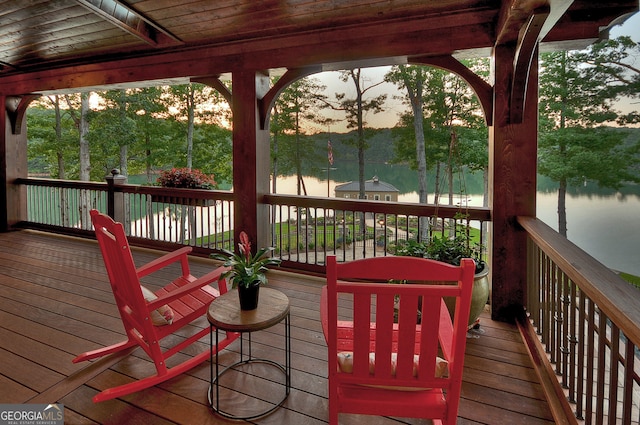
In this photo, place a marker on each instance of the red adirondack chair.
(148, 317)
(384, 359)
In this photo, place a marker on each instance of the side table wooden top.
(224, 312)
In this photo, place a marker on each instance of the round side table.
(224, 314)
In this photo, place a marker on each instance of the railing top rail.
(618, 299)
(73, 184)
(175, 192)
(130, 188)
(399, 208)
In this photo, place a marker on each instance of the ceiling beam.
(131, 21)
(291, 51)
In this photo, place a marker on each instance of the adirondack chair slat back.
(388, 329)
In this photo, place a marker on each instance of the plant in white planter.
(451, 250)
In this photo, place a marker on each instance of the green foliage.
(448, 250)
(577, 154)
(130, 130)
(52, 142)
(634, 280)
(301, 101)
(577, 95)
(443, 125)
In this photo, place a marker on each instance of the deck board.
(55, 302)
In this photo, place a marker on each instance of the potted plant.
(246, 271)
(451, 250)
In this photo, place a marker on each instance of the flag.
(329, 152)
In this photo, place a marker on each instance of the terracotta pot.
(248, 296)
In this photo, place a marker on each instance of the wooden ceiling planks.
(41, 35)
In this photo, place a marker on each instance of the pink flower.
(245, 245)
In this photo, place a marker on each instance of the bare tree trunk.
(64, 206)
(415, 98)
(190, 124)
(123, 160)
(562, 208)
(59, 152)
(85, 162)
(83, 127)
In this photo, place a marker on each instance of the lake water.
(606, 227)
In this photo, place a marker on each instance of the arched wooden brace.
(525, 51)
(266, 103)
(214, 81)
(16, 107)
(483, 90)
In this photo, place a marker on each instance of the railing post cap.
(116, 177)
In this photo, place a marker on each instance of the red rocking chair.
(149, 317)
(393, 349)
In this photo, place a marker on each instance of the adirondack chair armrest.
(190, 287)
(165, 260)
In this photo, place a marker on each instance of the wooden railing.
(153, 216)
(588, 321)
(303, 229)
(307, 229)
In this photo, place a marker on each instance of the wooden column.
(13, 160)
(251, 158)
(512, 174)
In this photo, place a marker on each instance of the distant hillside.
(379, 140)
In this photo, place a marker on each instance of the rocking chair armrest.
(190, 287)
(165, 260)
(445, 333)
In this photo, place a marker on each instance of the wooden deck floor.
(55, 303)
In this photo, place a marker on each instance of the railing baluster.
(613, 373)
(580, 368)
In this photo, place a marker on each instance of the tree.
(355, 109)
(302, 101)
(52, 138)
(190, 104)
(575, 101)
(412, 79)
(612, 62)
(443, 126)
(113, 131)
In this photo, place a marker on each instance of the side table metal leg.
(287, 350)
(217, 374)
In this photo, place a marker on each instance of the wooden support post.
(13, 159)
(512, 174)
(251, 158)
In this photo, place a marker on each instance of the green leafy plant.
(186, 178)
(246, 269)
(448, 250)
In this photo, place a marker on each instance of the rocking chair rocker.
(180, 302)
